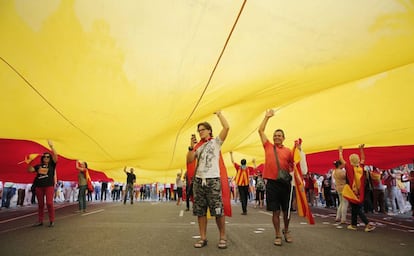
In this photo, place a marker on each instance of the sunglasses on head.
(46, 156)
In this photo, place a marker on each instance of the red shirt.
(285, 160)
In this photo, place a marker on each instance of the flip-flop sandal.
(288, 237)
(222, 244)
(200, 244)
(278, 241)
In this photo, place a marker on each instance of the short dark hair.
(243, 161)
(280, 130)
(207, 126)
(337, 163)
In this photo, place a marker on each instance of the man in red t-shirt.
(277, 158)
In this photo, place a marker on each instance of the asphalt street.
(163, 228)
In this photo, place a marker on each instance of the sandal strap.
(278, 240)
(201, 243)
(222, 243)
(288, 237)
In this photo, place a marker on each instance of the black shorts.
(277, 195)
(179, 192)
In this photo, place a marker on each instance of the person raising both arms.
(353, 191)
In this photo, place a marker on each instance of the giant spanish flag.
(125, 84)
(303, 206)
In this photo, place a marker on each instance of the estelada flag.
(302, 202)
(225, 188)
(356, 182)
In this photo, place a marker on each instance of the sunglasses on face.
(46, 156)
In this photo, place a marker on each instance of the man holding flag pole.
(277, 168)
(280, 164)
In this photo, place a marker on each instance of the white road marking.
(93, 212)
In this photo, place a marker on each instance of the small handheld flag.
(29, 158)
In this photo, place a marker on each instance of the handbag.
(282, 175)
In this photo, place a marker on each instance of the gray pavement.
(154, 228)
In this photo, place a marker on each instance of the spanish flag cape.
(88, 180)
(302, 202)
(225, 188)
(190, 174)
(356, 182)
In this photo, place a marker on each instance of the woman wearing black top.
(45, 182)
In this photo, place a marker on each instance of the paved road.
(153, 228)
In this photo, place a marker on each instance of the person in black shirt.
(131, 178)
(45, 183)
(104, 188)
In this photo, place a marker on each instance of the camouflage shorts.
(207, 196)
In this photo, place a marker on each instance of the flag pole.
(290, 197)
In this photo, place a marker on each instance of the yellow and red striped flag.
(302, 202)
(354, 190)
(29, 158)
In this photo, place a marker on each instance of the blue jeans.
(129, 191)
(7, 196)
(82, 197)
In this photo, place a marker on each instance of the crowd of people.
(378, 199)
(21, 194)
(386, 190)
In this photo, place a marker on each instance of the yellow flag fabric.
(350, 195)
(125, 84)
